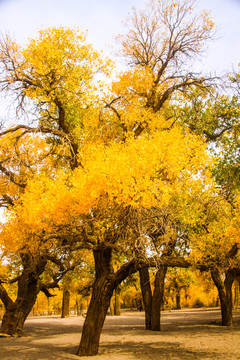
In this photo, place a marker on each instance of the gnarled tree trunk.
(153, 301)
(17, 311)
(105, 283)
(225, 294)
(101, 295)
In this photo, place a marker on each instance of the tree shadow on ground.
(54, 338)
(156, 350)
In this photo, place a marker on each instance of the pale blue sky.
(102, 19)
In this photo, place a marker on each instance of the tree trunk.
(157, 300)
(146, 295)
(225, 294)
(236, 294)
(112, 307)
(101, 295)
(178, 301)
(105, 283)
(117, 305)
(65, 303)
(17, 311)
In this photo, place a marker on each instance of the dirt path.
(186, 335)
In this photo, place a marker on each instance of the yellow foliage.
(61, 64)
(58, 70)
(216, 234)
(143, 172)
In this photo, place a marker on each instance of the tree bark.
(157, 299)
(225, 294)
(65, 303)
(105, 283)
(17, 311)
(101, 295)
(146, 295)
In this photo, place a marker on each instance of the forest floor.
(188, 334)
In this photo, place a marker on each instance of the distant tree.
(177, 280)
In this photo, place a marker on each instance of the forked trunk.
(105, 283)
(157, 300)
(225, 294)
(101, 295)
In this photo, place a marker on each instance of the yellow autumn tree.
(53, 81)
(102, 194)
(104, 205)
(160, 46)
(215, 243)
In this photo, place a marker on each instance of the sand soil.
(193, 334)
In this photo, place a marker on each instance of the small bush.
(198, 304)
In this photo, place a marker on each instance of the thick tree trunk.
(146, 295)
(65, 303)
(17, 311)
(225, 294)
(105, 283)
(157, 300)
(15, 315)
(101, 295)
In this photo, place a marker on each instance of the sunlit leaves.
(146, 172)
(57, 71)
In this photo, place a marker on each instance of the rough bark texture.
(17, 311)
(65, 303)
(157, 300)
(101, 295)
(146, 295)
(105, 283)
(225, 294)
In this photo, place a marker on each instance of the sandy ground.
(186, 335)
